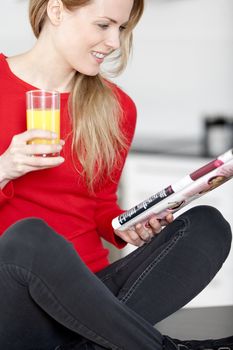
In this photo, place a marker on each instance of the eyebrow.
(113, 20)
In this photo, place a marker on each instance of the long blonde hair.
(94, 106)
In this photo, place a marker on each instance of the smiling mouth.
(99, 55)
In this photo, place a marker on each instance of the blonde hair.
(94, 106)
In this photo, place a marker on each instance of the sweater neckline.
(28, 86)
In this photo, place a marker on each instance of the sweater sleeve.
(107, 206)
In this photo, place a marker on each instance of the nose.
(113, 39)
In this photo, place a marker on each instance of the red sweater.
(58, 195)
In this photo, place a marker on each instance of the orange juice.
(47, 119)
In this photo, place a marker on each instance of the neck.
(44, 68)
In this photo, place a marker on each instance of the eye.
(122, 28)
(103, 26)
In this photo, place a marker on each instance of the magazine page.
(171, 189)
(165, 201)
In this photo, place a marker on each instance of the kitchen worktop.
(177, 146)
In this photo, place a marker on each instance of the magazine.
(179, 194)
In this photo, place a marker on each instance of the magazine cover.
(176, 196)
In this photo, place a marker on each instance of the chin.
(92, 74)
(90, 71)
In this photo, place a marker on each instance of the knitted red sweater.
(59, 196)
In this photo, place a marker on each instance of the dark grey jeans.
(50, 300)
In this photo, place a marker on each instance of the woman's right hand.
(20, 157)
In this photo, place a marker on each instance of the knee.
(211, 230)
(25, 238)
(28, 229)
(35, 246)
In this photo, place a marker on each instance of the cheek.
(78, 45)
(76, 49)
(79, 38)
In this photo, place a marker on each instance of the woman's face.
(86, 35)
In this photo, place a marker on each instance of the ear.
(55, 11)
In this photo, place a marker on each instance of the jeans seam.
(149, 268)
(123, 264)
(7, 266)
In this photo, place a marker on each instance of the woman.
(57, 290)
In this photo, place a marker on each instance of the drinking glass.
(43, 112)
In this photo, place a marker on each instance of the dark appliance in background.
(218, 135)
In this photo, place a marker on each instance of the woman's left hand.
(142, 234)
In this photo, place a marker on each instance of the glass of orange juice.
(43, 112)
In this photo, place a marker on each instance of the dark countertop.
(199, 323)
(185, 147)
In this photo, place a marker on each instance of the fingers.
(33, 134)
(21, 157)
(19, 145)
(144, 233)
(130, 236)
(137, 236)
(155, 225)
(41, 149)
(37, 163)
(168, 219)
(22, 165)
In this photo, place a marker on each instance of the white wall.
(182, 67)
(15, 34)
